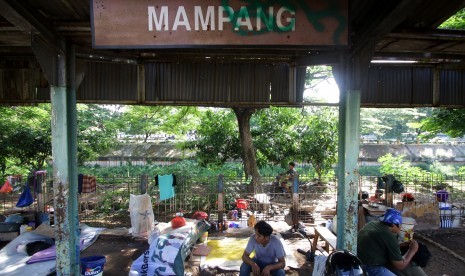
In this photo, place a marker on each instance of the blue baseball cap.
(392, 216)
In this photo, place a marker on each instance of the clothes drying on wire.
(174, 180)
(6, 188)
(86, 183)
(165, 183)
(25, 199)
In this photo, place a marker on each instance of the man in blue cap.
(379, 250)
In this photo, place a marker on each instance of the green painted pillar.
(347, 203)
(64, 152)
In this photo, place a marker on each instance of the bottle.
(329, 224)
(22, 229)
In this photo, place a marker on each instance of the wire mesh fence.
(109, 203)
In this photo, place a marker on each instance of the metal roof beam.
(23, 19)
(373, 31)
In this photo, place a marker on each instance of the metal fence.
(108, 205)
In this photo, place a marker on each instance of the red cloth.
(89, 184)
(200, 215)
(6, 188)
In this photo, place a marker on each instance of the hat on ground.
(392, 216)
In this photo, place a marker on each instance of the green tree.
(390, 123)
(443, 120)
(150, 120)
(275, 135)
(396, 165)
(318, 139)
(25, 138)
(97, 130)
(217, 138)
(456, 22)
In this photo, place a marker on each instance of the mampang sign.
(171, 23)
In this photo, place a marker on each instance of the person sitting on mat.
(269, 253)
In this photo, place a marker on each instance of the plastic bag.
(25, 199)
(141, 213)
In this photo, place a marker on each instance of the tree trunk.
(243, 115)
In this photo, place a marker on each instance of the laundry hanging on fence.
(174, 180)
(86, 183)
(26, 198)
(6, 188)
(165, 183)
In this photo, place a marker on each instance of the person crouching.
(269, 253)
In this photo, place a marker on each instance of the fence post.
(144, 180)
(295, 201)
(220, 198)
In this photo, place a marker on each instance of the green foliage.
(150, 120)
(441, 169)
(275, 136)
(97, 131)
(318, 140)
(390, 123)
(25, 139)
(217, 138)
(113, 201)
(443, 120)
(456, 22)
(461, 171)
(317, 74)
(396, 165)
(187, 167)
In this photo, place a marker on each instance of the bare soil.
(446, 245)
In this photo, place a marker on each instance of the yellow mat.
(226, 253)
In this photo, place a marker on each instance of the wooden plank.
(326, 235)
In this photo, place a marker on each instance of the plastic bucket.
(92, 266)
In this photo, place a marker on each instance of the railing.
(108, 205)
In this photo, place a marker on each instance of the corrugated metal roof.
(217, 82)
(452, 86)
(397, 85)
(109, 82)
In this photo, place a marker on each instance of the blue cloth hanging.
(166, 186)
(26, 198)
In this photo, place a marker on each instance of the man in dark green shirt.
(379, 250)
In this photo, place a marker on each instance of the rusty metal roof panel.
(20, 81)
(109, 82)
(220, 83)
(452, 87)
(396, 85)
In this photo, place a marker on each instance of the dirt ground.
(446, 245)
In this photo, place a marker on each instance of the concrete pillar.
(64, 153)
(347, 203)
